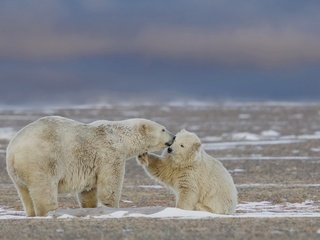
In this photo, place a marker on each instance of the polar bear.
(58, 155)
(199, 181)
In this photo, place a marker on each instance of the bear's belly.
(76, 184)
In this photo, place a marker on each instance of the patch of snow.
(179, 213)
(245, 136)
(150, 186)
(126, 201)
(66, 216)
(194, 127)
(262, 209)
(190, 103)
(268, 158)
(237, 170)
(244, 116)
(307, 206)
(315, 149)
(117, 214)
(211, 139)
(275, 185)
(270, 133)
(228, 145)
(308, 137)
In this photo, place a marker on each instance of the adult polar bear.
(57, 155)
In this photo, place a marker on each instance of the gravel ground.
(278, 173)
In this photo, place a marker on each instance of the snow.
(275, 185)
(267, 137)
(228, 145)
(237, 170)
(258, 158)
(244, 116)
(211, 139)
(270, 133)
(179, 213)
(150, 186)
(66, 216)
(245, 136)
(262, 209)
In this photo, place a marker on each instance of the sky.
(79, 51)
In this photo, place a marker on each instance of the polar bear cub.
(58, 155)
(199, 181)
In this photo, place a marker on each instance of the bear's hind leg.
(26, 200)
(88, 199)
(109, 184)
(44, 196)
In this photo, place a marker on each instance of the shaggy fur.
(199, 181)
(58, 155)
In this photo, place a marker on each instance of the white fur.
(199, 181)
(56, 154)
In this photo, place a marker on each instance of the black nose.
(169, 150)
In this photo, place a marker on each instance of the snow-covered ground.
(263, 209)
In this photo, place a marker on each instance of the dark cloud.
(57, 30)
(54, 49)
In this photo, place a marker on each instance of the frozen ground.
(272, 151)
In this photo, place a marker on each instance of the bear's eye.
(163, 130)
(182, 145)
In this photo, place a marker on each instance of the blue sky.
(81, 50)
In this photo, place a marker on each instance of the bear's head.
(186, 147)
(157, 137)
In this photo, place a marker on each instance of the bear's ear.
(196, 146)
(143, 129)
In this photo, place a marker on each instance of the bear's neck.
(133, 145)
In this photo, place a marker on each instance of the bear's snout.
(168, 144)
(169, 150)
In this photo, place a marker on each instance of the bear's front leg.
(187, 199)
(143, 159)
(109, 183)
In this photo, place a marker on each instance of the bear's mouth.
(168, 144)
(169, 150)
